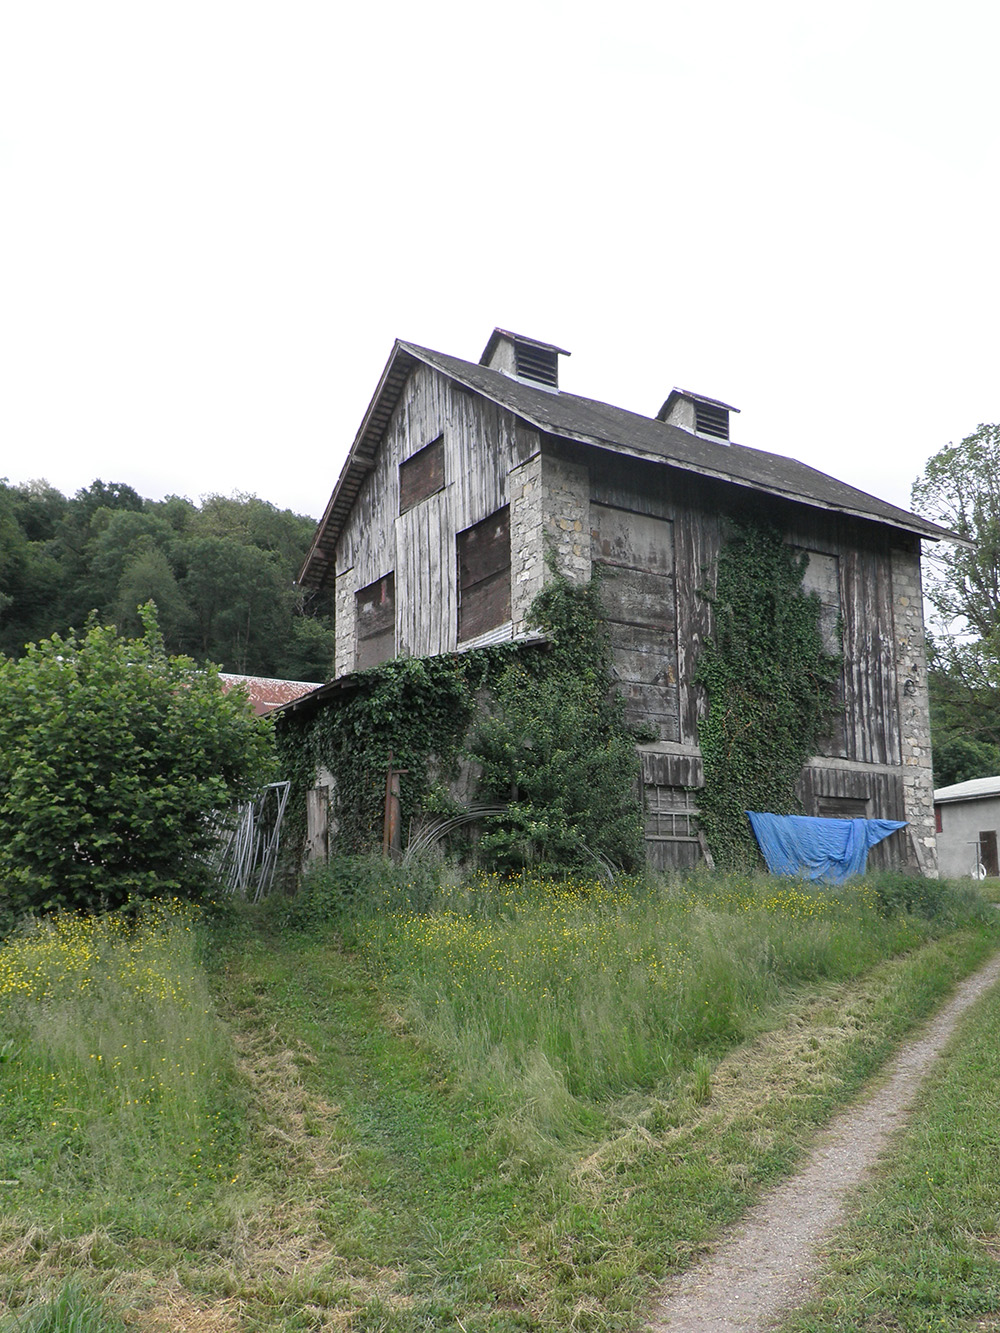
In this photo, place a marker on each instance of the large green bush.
(113, 757)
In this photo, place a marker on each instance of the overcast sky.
(216, 217)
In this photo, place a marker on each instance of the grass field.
(422, 1102)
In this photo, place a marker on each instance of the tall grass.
(117, 1099)
(595, 990)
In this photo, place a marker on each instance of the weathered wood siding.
(635, 553)
(849, 569)
(480, 442)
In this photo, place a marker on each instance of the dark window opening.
(937, 819)
(537, 363)
(421, 475)
(988, 853)
(483, 556)
(375, 609)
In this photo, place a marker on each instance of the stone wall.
(344, 623)
(566, 515)
(914, 707)
(527, 562)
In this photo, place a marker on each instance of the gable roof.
(587, 421)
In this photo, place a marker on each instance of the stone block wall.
(344, 623)
(566, 515)
(914, 706)
(527, 552)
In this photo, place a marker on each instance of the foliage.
(555, 746)
(960, 489)
(620, 986)
(70, 1310)
(770, 685)
(419, 708)
(221, 575)
(113, 756)
(543, 725)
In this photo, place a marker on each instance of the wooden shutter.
(421, 475)
(637, 552)
(483, 553)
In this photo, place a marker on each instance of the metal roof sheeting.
(976, 789)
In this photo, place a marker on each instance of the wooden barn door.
(636, 555)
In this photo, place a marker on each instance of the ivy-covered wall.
(539, 726)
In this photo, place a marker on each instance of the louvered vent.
(711, 420)
(537, 363)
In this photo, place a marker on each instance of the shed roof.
(976, 789)
(266, 692)
(571, 417)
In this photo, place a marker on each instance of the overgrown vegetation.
(920, 1249)
(543, 726)
(113, 757)
(771, 688)
(389, 1130)
(555, 746)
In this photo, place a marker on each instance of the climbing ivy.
(771, 688)
(419, 708)
(555, 745)
(543, 724)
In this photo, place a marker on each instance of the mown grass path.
(416, 1217)
(769, 1263)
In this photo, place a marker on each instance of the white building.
(967, 816)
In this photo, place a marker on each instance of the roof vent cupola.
(698, 414)
(523, 358)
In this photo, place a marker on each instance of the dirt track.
(766, 1265)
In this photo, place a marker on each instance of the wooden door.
(636, 556)
(988, 852)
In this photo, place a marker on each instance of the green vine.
(555, 746)
(771, 689)
(543, 725)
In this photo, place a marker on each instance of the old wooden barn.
(435, 541)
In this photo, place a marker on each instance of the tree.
(113, 758)
(960, 489)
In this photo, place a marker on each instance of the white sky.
(215, 217)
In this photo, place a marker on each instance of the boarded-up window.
(671, 813)
(822, 577)
(375, 609)
(637, 553)
(842, 807)
(421, 475)
(483, 553)
(671, 828)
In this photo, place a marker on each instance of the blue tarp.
(829, 849)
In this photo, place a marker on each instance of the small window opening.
(375, 623)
